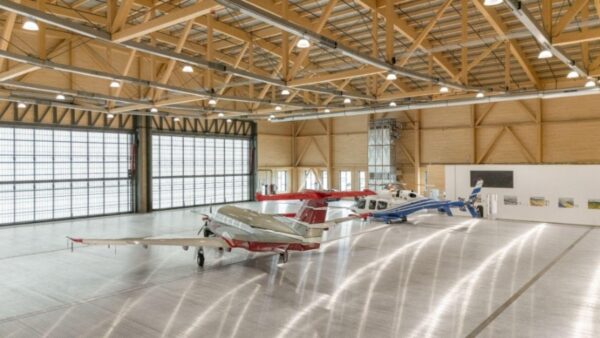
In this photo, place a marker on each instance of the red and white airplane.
(234, 227)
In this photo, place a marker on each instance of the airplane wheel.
(200, 258)
(388, 221)
(283, 257)
(404, 219)
(207, 233)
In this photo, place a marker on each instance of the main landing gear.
(400, 220)
(283, 257)
(200, 257)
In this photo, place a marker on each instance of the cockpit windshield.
(360, 203)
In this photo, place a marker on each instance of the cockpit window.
(412, 195)
(372, 204)
(360, 204)
(381, 205)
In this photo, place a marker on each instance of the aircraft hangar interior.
(299, 168)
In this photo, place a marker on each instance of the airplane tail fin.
(312, 211)
(473, 198)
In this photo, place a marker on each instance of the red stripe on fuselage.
(267, 247)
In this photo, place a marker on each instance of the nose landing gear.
(200, 257)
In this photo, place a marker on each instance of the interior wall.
(550, 182)
(556, 131)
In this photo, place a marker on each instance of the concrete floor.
(435, 276)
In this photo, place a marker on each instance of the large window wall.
(55, 173)
(198, 170)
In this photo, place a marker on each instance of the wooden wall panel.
(274, 151)
(279, 128)
(350, 150)
(447, 117)
(446, 146)
(576, 142)
(583, 107)
(508, 112)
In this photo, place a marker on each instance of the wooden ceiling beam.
(166, 20)
(575, 37)
(9, 25)
(564, 20)
(492, 17)
(407, 31)
(299, 60)
(349, 74)
(122, 14)
(418, 41)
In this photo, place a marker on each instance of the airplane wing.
(329, 224)
(214, 242)
(313, 195)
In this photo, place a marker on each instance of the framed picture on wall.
(511, 200)
(594, 204)
(566, 202)
(537, 201)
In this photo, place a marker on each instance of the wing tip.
(76, 240)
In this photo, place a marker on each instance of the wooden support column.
(143, 172)
(540, 132)
(293, 170)
(507, 65)
(251, 65)
(417, 156)
(473, 134)
(330, 153)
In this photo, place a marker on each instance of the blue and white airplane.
(395, 206)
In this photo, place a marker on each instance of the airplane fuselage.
(250, 230)
(397, 205)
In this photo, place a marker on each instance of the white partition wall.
(546, 184)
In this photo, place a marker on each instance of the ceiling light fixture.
(228, 120)
(220, 115)
(60, 97)
(572, 75)
(327, 110)
(271, 116)
(392, 104)
(212, 102)
(444, 89)
(21, 105)
(285, 92)
(187, 69)
(480, 95)
(153, 110)
(391, 77)
(278, 108)
(545, 54)
(176, 119)
(30, 25)
(303, 43)
(114, 84)
(492, 2)
(590, 83)
(110, 116)
(347, 100)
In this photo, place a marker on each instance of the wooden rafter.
(405, 29)
(491, 15)
(173, 18)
